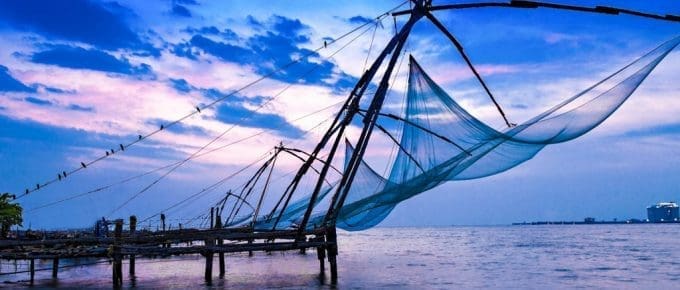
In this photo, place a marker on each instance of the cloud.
(291, 28)
(57, 90)
(277, 47)
(10, 84)
(208, 30)
(236, 113)
(58, 136)
(186, 2)
(179, 128)
(358, 19)
(670, 130)
(74, 107)
(181, 85)
(227, 33)
(224, 51)
(556, 37)
(253, 22)
(93, 59)
(234, 110)
(38, 101)
(184, 50)
(179, 10)
(84, 21)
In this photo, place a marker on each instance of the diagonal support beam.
(370, 118)
(393, 46)
(458, 46)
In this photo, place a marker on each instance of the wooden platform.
(207, 242)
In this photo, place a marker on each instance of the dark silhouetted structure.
(663, 212)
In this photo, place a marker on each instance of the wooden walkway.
(207, 242)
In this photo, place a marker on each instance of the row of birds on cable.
(63, 174)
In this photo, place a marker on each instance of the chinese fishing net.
(442, 142)
(466, 148)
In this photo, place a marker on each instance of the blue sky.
(79, 77)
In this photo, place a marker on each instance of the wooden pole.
(321, 255)
(222, 264)
(212, 217)
(32, 270)
(164, 245)
(209, 260)
(55, 268)
(133, 230)
(117, 258)
(218, 224)
(332, 249)
(303, 251)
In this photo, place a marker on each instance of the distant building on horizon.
(663, 212)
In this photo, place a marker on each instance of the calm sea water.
(527, 257)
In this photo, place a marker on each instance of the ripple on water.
(568, 277)
(416, 265)
(534, 245)
(465, 257)
(603, 269)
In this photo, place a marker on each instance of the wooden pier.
(130, 244)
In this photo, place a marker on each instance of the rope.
(210, 188)
(370, 47)
(228, 130)
(175, 163)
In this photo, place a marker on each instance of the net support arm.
(370, 117)
(264, 188)
(353, 103)
(535, 4)
(458, 46)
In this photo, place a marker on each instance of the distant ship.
(663, 212)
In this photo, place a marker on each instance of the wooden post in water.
(220, 242)
(321, 255)
(117, 258)
(32, 270)
(133, 230)
(55, 268)
(209, 260)
(164, 245)
(331, 236)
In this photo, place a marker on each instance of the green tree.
(10, 214)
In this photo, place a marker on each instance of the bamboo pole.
(133, 230)
(32, 270)
(55, 267)
(117, 257)
(209, 260)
